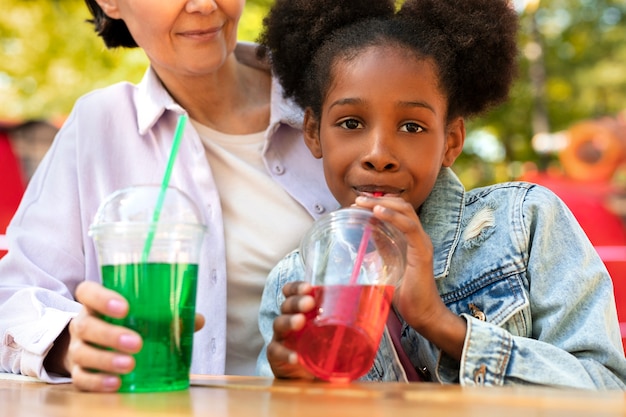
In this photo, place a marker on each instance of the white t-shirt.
(239, 172)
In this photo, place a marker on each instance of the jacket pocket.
(498, 299)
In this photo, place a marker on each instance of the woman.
(242, 160)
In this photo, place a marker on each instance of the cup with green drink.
(154, 265)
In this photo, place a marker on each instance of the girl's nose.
(380, 156)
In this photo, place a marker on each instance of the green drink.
(154, 265)
(162, 299)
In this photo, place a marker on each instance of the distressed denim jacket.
(512, 260)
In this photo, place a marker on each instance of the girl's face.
(382, 128)
(183, 37)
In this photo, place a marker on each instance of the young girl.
(502, 285)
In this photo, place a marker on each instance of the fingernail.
(130, 341)
(116, 306)
(122, 362)
(110, 382)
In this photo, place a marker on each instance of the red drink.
(342, 334)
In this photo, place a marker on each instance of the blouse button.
(279, 170)
(319, 209)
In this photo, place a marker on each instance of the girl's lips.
(380, 192)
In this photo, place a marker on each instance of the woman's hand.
(98, 351)
(95, 352)
(282, 359)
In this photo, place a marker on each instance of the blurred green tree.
(51, 56)
(573, 67)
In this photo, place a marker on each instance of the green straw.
(180, 127)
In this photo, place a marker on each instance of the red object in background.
(605, 229)
(11, 186)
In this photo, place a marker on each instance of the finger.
(285, 324)
(394, 210)
(93, 330)
(297, 304)
(94, 382)
(279, 355)
(93, 358)
(370, 201)
(296, 288)
(199, 322)
(285, 363)
(101, 300)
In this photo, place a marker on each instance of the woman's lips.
(201, 34)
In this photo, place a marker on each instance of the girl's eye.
(411, 128)
(350, 124)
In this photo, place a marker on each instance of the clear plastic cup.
(354, 263)
(158, 279)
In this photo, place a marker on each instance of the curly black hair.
(473, 44)
(114, 32)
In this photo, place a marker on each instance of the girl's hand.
(282, 359)
(417, 298)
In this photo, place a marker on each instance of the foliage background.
(573, 67)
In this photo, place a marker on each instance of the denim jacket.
(512, 260)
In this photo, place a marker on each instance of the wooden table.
(252, 396)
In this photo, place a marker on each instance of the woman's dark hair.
(114, 32)
(473, 44)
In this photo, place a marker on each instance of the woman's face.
(383, 129)
(184, 37)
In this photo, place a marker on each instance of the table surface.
(212, 396)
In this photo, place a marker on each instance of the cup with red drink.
(354, 263)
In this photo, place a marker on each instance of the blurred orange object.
(595, 150)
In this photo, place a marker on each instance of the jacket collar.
(441, 216)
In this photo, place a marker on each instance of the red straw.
(338, 336)
(360, 254)
(362, 248)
